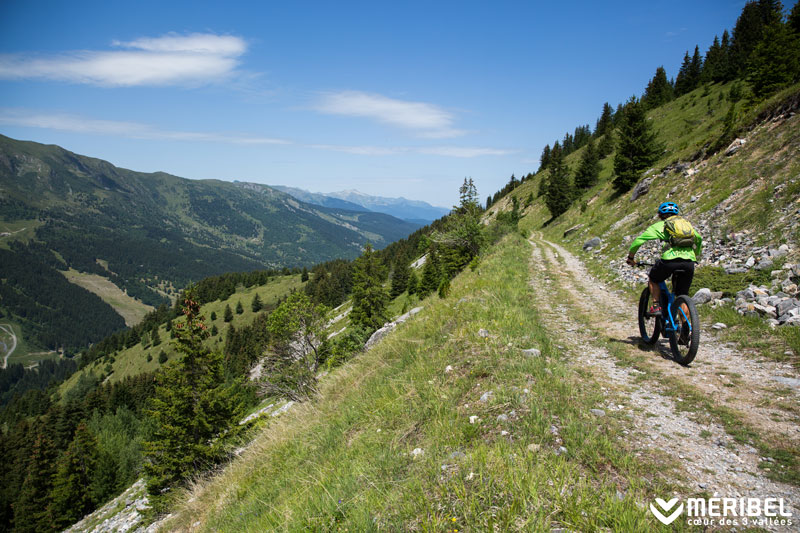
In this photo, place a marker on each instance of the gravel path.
(711, 461)
(7, 329)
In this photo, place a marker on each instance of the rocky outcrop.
(389, 327)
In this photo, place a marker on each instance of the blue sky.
(392, 99)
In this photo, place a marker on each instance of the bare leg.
(655, 292)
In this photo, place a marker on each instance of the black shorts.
(682, 281)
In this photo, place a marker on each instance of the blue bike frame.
(669, 325)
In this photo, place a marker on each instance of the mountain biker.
(672, 257)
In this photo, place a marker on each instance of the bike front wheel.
(649, 326)
(685, 340)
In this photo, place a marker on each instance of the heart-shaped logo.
(666, 506)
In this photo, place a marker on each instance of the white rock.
(719, 325)
(473, 419)
(417, 452)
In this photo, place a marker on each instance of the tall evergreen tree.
(544, 159)
(239, 308)
(749, 29)
(712, 66)
(637, 148)
(400, 278)
(71, 500)
(606, 120)
(431, 274)
(695, 69)
(370, 298)
(191, 410)
(31, 514)
(227, 316)
(775, 62)
(589, 168)
(659, 91)
(256, 305)
(683, 81)
(793, 21)
(726, 70)
(559, 192)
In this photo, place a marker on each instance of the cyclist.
(672, 257)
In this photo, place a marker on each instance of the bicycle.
(682, 331)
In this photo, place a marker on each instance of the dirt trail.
(710, 460)
(9, 351)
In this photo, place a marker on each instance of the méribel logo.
(666, 507)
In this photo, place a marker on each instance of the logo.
(717, 511)
(666, 506)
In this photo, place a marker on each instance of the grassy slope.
(685, 127)
(133, 361)
(131, 309)
(343, 461)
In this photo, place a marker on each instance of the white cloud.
(168, 60)
(132, 130)
(463, 151)
(360, 150)
(427, 119)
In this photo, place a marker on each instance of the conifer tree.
(559, 192)
(793, 21)
(749, 29)
(31, 513)
(156, 338)
(370, 298)
(431, 275)
(658, 91)
(400, 278)
(191, 410)
(695, 69)
(71, 500)
(606, 145)
(589, 168)
(712, 66)
(213, 315)
(605, 122)
(683, 80)
(256, 305)
(544, 159)
(228, 314)
(304, 275)
(637, 148)
(413, 282)
(239, 308)
(775, 62)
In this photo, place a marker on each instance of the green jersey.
(656, 231)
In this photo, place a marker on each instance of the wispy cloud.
(427, 120)
(137, 130)
(132, 130)
(463, 151)
(168, 60)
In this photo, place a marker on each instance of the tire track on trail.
(707, 459)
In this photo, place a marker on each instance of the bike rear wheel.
(649, 326)
(686, 339)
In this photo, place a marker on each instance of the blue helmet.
(669, 208)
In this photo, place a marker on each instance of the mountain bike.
(678, 321)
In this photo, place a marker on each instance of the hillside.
(148, 235)
(524, 401)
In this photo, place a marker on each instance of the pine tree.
(749, 30)
(695, 69)
(793, 21)
(544, 159)
(637, 148)
(228, 314)
(605, 122)
(304, 275)
(712, 66)
(658, 91)
(683, 81)
(400, 278)
(75, 471)
(589, 168)
(775, 62)
(31, 513)
(191, 410)
(256, 305)
(213, 315)
(606, 145)
(726, 70)
(239, 308)
(431, 275)
(559, 192)
(370, 298)
(156, 337)
(413, 282)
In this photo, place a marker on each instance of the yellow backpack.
(680, 233)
